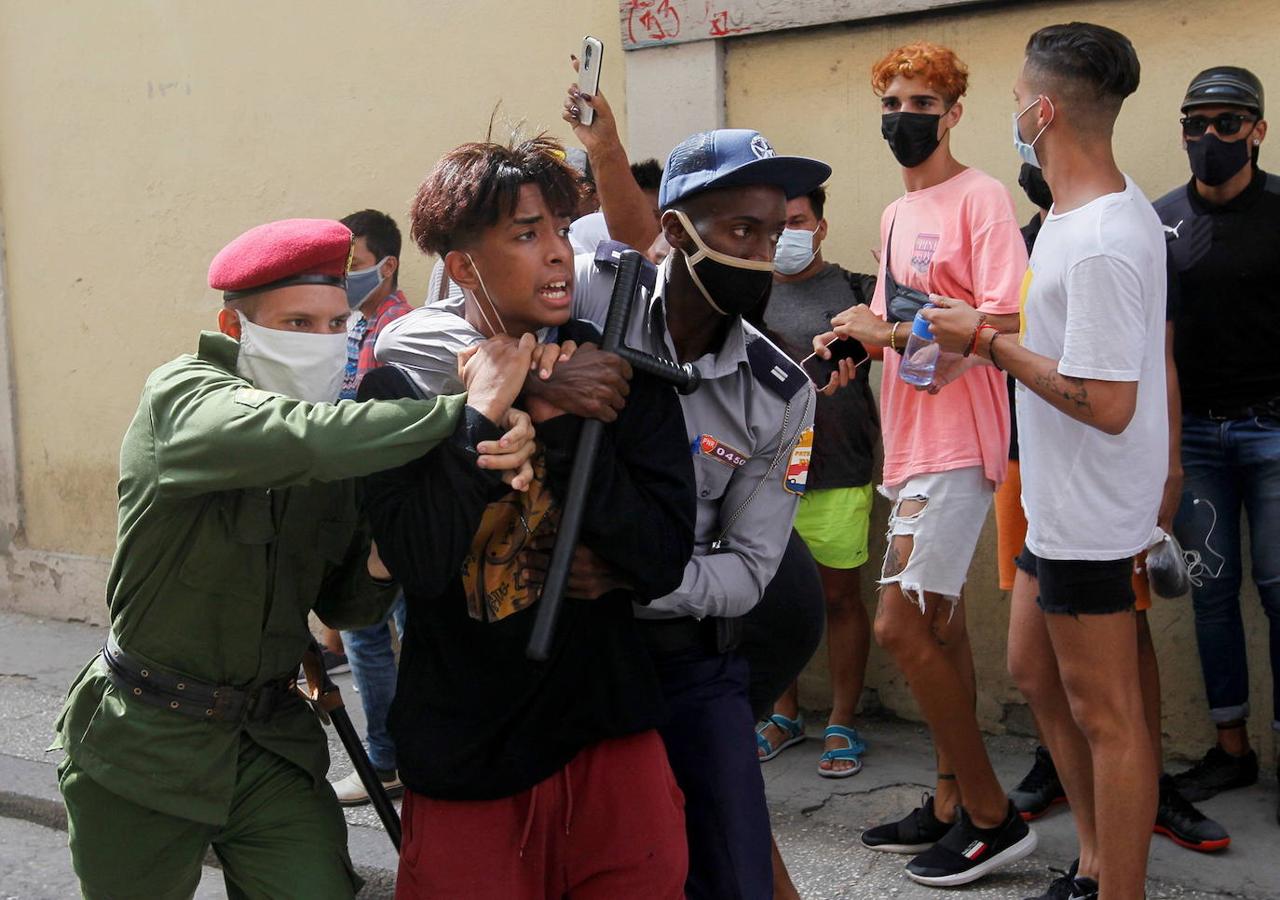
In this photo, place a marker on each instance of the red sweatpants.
(610, 824)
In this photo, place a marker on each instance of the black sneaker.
(917, 831)
(1083, 889)
(1060, 887)
(967, 852)
(1040, 789)
(1218, 771)
(1185, 825)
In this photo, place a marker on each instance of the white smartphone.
(589, 75)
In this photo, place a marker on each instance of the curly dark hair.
(472, 186)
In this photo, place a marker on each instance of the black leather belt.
(1228, 413)
(712, 635)
(185, 695)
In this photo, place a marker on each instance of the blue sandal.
(854, 748)
(792, 728)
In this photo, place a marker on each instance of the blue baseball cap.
(733, 157)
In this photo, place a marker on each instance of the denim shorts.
(1080, 587)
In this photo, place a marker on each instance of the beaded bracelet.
(893, 337)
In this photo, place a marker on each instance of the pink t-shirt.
(958, 239)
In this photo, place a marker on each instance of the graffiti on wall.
(650, 23)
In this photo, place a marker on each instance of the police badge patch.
(721, 452)
(796, 476)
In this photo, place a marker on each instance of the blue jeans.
(373, 666)
(1231, 464)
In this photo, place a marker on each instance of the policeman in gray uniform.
(723, 199)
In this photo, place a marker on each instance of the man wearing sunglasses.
(1222, 229)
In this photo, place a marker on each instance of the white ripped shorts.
(945, 531)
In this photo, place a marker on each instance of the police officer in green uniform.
(238, 513)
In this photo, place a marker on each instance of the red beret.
(291, 251)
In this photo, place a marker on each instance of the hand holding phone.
(589, 75)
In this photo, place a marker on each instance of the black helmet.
(1224, 86)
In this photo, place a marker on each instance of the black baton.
(328, 701)
(686, 377)
(625, 286)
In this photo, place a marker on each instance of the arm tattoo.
(1073, 390)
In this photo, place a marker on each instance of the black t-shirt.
(1227, 260)
(846, 425)
(473, 718)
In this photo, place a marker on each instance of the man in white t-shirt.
(1093, 427)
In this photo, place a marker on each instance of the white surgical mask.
(298, 364)
(1027, 152)
(795, 251)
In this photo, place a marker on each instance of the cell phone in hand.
(820, 370)
(589, 75)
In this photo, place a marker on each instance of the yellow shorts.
(834, 522)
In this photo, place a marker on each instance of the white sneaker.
(351, 791)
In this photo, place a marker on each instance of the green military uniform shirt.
(238, 513)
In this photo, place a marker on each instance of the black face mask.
(1032, 182)
(1214, 161)
(912, 136)
(732, 286)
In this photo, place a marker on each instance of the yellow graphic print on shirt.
(491, 572)
(1027, 278)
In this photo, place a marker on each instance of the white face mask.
(297, 364)
(794, 251)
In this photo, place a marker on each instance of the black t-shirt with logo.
(1227, 262)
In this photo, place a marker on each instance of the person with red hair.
(945, 450)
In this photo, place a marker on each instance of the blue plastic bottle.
(920, 357)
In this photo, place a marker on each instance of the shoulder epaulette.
(773, 368)
(609, 252)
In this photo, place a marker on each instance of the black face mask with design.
(912, 136)
(1214, 161)
(731, 285)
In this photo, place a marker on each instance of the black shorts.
(1074, 587)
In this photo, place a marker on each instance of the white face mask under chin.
(300, 365)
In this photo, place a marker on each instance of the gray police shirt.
(754, 404)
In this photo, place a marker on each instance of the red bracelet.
(973, 338)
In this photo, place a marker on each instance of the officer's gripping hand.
(494, 372)
(511, 453)
(590, 576)
(591, 384)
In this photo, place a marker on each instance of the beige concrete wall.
(809, 92)
(136, 138)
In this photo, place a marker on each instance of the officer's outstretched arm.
(213, 432)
